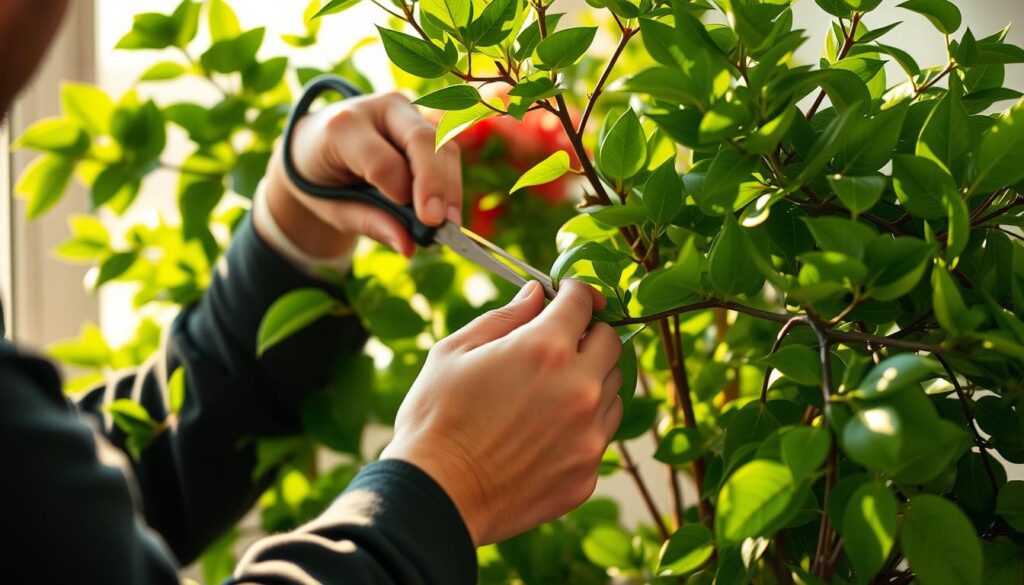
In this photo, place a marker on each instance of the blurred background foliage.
(808, 254)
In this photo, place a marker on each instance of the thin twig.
(786, 328)
(970, 423)
(848, 43)
(623, 41)
(645, 493)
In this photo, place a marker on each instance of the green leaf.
(731, 265)
(870, 143)
(223, 21)
(835, 234)
(563, 48)
(828, 144)
(89, 350)
(679, 445)
(804, 450)
(455, 122)
(798, 363)
(894, 374)
(176, 390)
(724, 120)
(56, 135)
(869, 529)
(89, 241)
(895, 265)
(233, 55)
(623, 149)
(663, 193)
(114, 266)
(454, 97)
(547, 170)
(948, 135)
(263, 77)
(454, 13)
(942, 13)
(608, 546)
(637, 418)
(946, 300)
(88, 105)
(999, 158)
(291, 313)
(751, 424)
(959, 232)
(163, 71)
(43, 183)
(873, 437)
(721, 190)
(133, 419)
(1010, 504)
(940, 543)
(393, 318)
(858, 194)
(591, 251)
(414, 55)
(336, 6)
(754, 501)
(685, 551)
(494, 25)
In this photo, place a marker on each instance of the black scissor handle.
(421, 233)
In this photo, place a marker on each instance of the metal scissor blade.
(478, 250)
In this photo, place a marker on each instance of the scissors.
(460, 240)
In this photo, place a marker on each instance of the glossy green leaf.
(494, 24)
(940, 542)
(43, 183)
(798, 363)
(804, 449)
(336, 6)
(895, 265)
(685, 551)
(858, 194)
(869, 529)
(623, 150)
(223, 21)
(607, 546)
(414, 55)
(999, 158)
(1010, 504)
(721, 189)
(547, 170)
(731, 266)
(232, 55)
(946, 300)
(591, 251)
(948, 135)
(754, 501)
(455, 122)
(942, 13)
(291, 313)
(894, 374)
(88, 105)
(679, 445)
(454, 13)
(57, 135)
(454, 97)
(663, 193)
(563, 48)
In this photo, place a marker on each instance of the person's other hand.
(512, 414)
(381, 140)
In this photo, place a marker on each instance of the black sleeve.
(76, 510)
(393, 526)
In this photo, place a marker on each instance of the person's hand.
(381, 140)
(512, 413)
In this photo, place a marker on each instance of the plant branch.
(627, 34)
(645, 493)
(848, 43)
(1001, 211)
(918, 90)
(970, 423)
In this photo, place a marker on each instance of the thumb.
(492, 325)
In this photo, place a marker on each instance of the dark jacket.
(75, 509)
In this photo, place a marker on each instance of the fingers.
(355, 144)
(437, 175)
(500, 322)
(601, 348)
(571, 311)
(612, 417)
(369, 221)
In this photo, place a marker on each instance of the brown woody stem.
(645, 493)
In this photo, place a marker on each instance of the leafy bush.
(818, 269)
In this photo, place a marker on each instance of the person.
(503, 429)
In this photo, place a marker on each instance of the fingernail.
(434, 211)
(455, 215)
(526, 291)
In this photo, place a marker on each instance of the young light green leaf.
(89, 106)
(454, 13)
(494, 24)
(414, 55)
(336, 6)
(685, 551)
(869, 529)
(163, 71)
(663, 193)
(223, 21)
(455, 122)
(453, 97)
(545, 171)
(43, 183)
(948, 135)
(176, 390)
(940, 542)
(946, 300)
(858, 194)
(754, 501)
(56, 135)
(943, 14)
(623, 151)
(591, 251)
(291, 313)
(607, 545)
(563, 48)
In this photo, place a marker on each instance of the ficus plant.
(816, 270)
